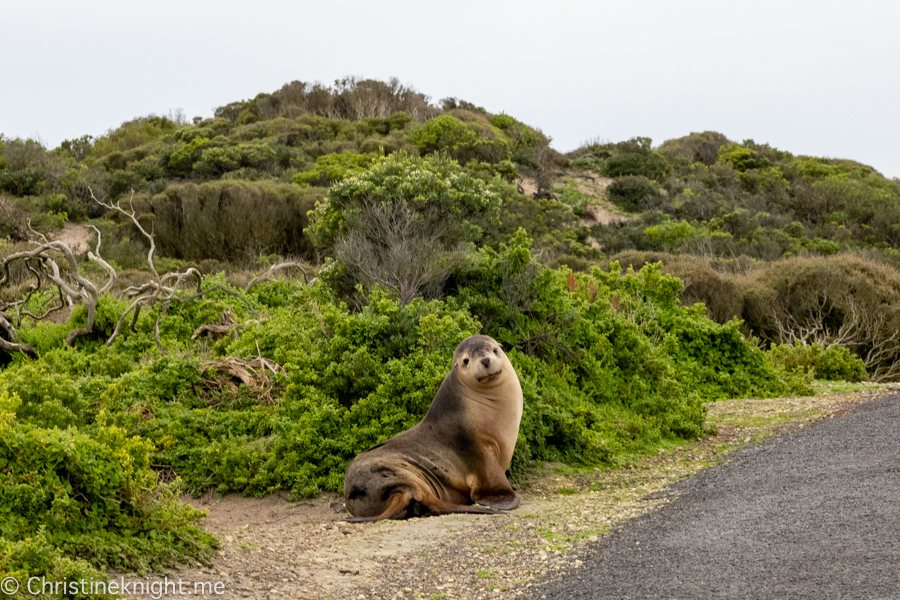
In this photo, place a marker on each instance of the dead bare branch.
(847, 324)
(161, 290)
(11, 345)
(223, 378)
(216, 330)
(41, 262)
(270, 274)
(130, 213)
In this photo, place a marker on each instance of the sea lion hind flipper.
(436, 506)
(397, 509)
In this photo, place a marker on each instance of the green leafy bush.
(832, 363)
(332, 168)
(843, 297)
(403, 224)
(46, 399)
(90, 495)
(424, 184)
(636, 157)
(236, 220)
(476, 139)
(632, 192)
(741, 158)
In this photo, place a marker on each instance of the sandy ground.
(600, 210)
(77, 237)
(272, 548)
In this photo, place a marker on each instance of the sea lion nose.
(486, 361)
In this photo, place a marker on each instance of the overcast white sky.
(820, 78)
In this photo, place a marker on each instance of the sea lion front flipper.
(436, 506)
(490, 486)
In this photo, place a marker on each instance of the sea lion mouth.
(489, 378)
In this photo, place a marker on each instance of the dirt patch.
(275, 548)
(75, 235)
(598, 209)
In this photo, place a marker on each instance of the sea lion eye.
(465, 362)
(497, 352)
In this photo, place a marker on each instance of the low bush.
(844, 305)
(636, 160)
(332, 168)
(846, 300)
(832, 363)
(92, 496)
(701, 283)
(633, 193)
(231, 220)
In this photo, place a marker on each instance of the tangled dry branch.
(851, 326)
(52, 266)
(162, 289)
(42, 262)
(222, 380)
(269, 275)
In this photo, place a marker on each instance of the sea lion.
(456, 455)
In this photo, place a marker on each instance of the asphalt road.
(813, 514)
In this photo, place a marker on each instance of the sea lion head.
(480, 362)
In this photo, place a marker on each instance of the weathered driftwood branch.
(212, 329)
(270, 274)
(130, 213)
(11, 345)
(162, 290)
(41, 263)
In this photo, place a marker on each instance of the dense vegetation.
(408, 229)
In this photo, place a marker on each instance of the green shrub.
(37, 556)
(722, 364)
(92, 497)
(832, 363)
(47, 399)
(235, 220)
(842, 297)
(403, 224)
(217, 161)
(332, 168)
(475, 140)
(636, 158)
(633, 192)
(741, 158)
(183, 158)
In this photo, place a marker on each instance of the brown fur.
(454, 457)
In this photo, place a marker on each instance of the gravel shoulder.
(272, 548)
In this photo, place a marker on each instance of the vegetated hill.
(703, 194)
(220, 193)
(270, 159)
